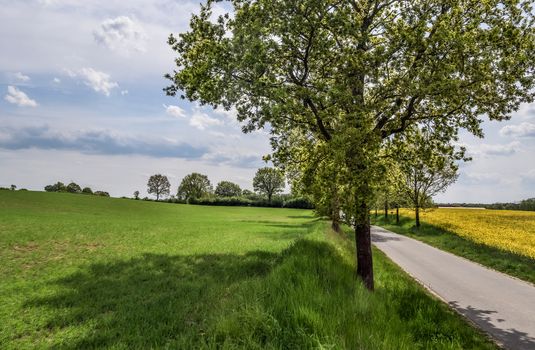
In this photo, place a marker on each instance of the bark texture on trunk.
(386, 211)
(335, 225)
(417, 216)
(397, 215)
(335, 214)
(364, 247)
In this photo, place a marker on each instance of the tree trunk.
(417, 216)
(157, 196)
(397, 214)
(269, 198)
(376, 212)
(335, 213)
(364, 246)
(386, 210)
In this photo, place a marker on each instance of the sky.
(81, 100)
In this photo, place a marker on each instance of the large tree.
(268, 181)
(158, 185)
(194, 186)
(227, 189)
(354, 73)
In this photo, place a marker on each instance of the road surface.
(502, 306)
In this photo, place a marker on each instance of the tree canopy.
(74, 188)
(87, 190)
(194, 185)
(353, 74)
(227, 189)
(427, 166)
(158, 185)
(268, 181)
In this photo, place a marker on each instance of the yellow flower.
(505, 229)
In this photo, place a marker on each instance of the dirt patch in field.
(32, 254)
(24, 248)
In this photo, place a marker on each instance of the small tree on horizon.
(87, 190)
(57, 187)
(268, 181)
(194, 186)
(136, 195)
(227, 189)
(158, 185)
(74, 188)
(13, 187)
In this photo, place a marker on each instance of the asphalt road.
(502, 306)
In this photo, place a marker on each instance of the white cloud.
(19, 98)
(500, 150)
(175, 111)
(21, 77)
(491, 178)
(231, 114)
(475, 176)
(56, 80)
(201, 121)
(121, 34)
(124, 92)
(520, 130)
(98, 81)
(528, 175)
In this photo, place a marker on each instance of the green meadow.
(83, 272)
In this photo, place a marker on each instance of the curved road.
(502, 306)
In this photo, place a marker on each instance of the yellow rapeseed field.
(506, 229)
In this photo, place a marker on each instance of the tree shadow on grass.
(282, 231)
(311, 216)
(301, 298)
(152, 301)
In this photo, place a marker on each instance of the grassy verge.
(513, 264)
(89, 272)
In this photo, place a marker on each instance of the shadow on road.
(510, 338)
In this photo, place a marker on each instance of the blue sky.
(81, 100)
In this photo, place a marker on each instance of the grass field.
(501, 239)
(90, 272)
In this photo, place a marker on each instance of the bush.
(87, 190)
(74, 188)
(299, 202)
(222, 201)
(101, 193)
(57, 187)
(237, 202)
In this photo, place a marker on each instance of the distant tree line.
(12, 188)
(197, 188)
(74, 188)
(526, 204)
